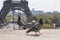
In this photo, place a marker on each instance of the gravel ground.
(46, 34)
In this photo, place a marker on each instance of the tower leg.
(28, 13)
(3, 13)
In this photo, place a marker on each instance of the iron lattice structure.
(10, 5)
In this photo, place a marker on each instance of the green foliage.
(9, 18)
(47, 26)
(58, 21)
(48, 18)
(34, 18)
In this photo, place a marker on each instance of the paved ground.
(47, 34)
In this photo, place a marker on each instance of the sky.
(42, 5)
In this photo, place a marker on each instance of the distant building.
(37, 11)
(56, 12)
(47, 12)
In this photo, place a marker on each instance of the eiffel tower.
(11, 5)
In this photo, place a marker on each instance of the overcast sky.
(43, 5)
